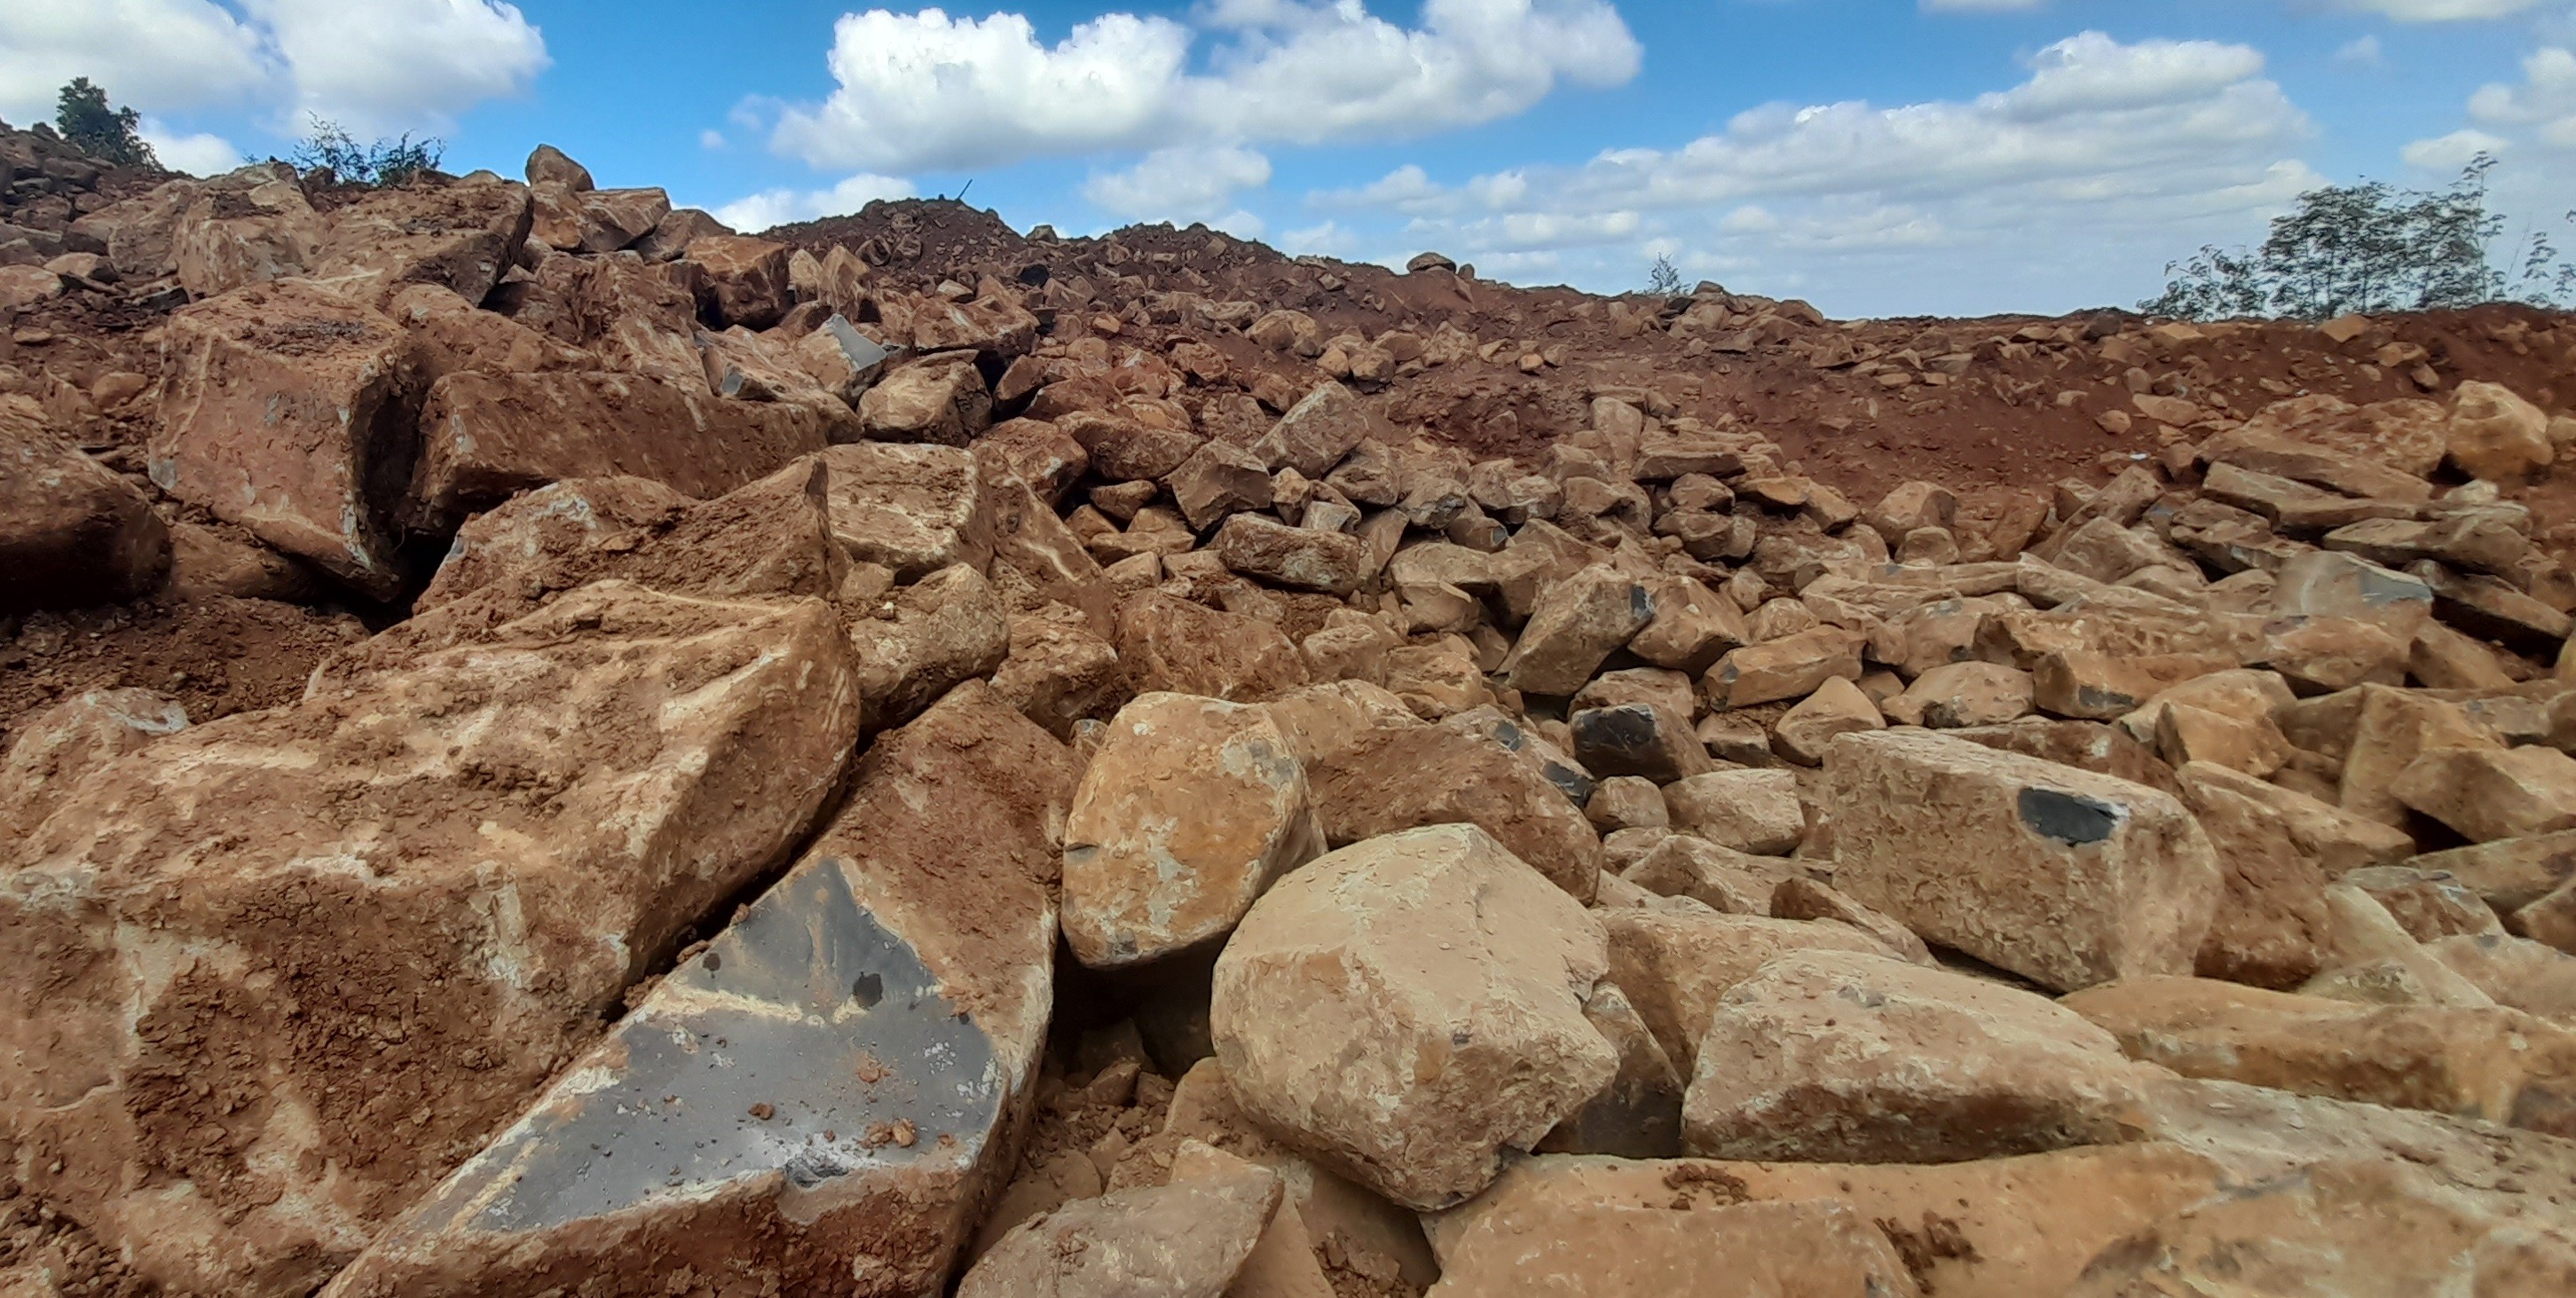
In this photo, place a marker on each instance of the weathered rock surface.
(2060, 875)
(460, 863)
(1406, 1009)
(840, 1076)
(52, 751)
(1826, 1056)
(1677, 967)
(71, 532)
(1191, 808)
(1187, 1239)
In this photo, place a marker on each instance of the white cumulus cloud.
(1183, 184)
(927, 91)
(2545, 102)
(2451, 152)
(197, 153)
(784, 206)
(375, 66)
(2106, 153)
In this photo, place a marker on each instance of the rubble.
(502, 684)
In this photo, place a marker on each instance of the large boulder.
(1301, 558)
(2501, 1065)
(1406, 1009)
(1169, 643)
(289, 410)
(1318, 431)
(460, 235)
(1827, 1056)
(924, 640)
(1686, 1235)
(2060, 875)
(1190, 808)
(2496, 435)
(1382, 774)
(487, 437)
(291, 967)
(1677, 966)
(71, 532)
(842, 1074)
(1580, 620)
(741, 280)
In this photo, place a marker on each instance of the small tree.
(1663, 278)
(111, 135)
(2368, 247)
(383, 163)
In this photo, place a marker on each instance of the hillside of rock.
(550, 747)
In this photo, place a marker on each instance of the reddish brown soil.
(217, 656)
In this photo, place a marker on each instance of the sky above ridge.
(1877, 157)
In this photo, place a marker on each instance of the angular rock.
(926, 639)
(913, 509)
(1218, 479)
(637, 757)
(1958, 695)
(1189, 810)
(1836, 708)
(2496, 435)
(2395, 728)
(1187, 1239)
(2330, 583)
(1756, 812)
(1406, 1009)
(2501, 1065)
(1642, 739)
(1677, 967)
(71, 532)
(1168, 643)
(487, 437)
(2060, 875)
(1059, 672)
(1799, 897)
(1692, 628)
(1578, 622)
(1638, 1247)
(1787, 668)
(1389, 775)
(1327, 424)
(1828, 1056)
(839, 1076)
(742, 280)
(938, 399)
(2271, 916)
(2487, 793)
(289, 410)
(1124, 448)
(1335, 563)
(461, 236)
(1720, 878)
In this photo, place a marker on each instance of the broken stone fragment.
(1407, 1008)
(2060, 875)
(831, 1090)
(939, 399)
(1186, 1239)
(1188, 811)
(1757, 812)
(1838, 707)
(71, 532)
(1392, 775)
(1791, 667)
(1683, 1234)
(2496, 435)
(2488, 793)
(2501, 1065)
(913, 508)
(287, 406)
(1646, 739)
(1579, 621)
(1169, 643)
(641, 755)
(1301, 558)
(926, 639)
(1826, 1056)
(1676, 966)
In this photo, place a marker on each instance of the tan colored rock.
(862, 1118)
(71, 532)
(1058, 672)
(55, 748)
(660, 752)
(2238, 741)
(2333, 584)
(285, 406)
(913, 509)
(2488, 793)
(2497, 1064)
(1956, 695)
(1626, 802)
(2327, 654)
(2083, 684)
(2395, 727)
(1531, 1243)
(1720, 878)
(926, 639)
(1639, 1115)
(1993, 1228)
(2496, 435)
(2342, 1228)
(1167, 643)
(1186, 1239)
(2084, 745)
(2428, 905)
(939, 399)
(1757, 812)
(1389, 775)
(1677, 965)
(2323, 466)
(1335, 563)
(2061, 875)
(1327, 424)
(1788, 668)
(1692, 628)
(2369, 958)
(1579, 621)
(2271, 914)
(1799, 897)
(1828, 1056)
(1190, 809)
(2515, 972)
(1218, 479)
(1836, 708)
(2509, 874)
(487, 437)
(1406, 1009)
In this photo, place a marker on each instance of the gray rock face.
(827, 1093)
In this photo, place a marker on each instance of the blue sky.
(1878, 157)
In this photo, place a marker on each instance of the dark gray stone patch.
(2069, 818)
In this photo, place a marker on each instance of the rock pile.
(1045, 782)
